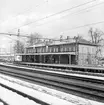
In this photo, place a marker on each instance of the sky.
(15, 14)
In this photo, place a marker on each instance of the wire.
(86, 25)
(77, 12)
(74, 7)
(84, 10)
(11, 34)
(100, 22)
(23, 12)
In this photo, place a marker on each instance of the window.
(69, 48)
(56, 49)
(73, 48)
(61, 49)
(49, 49)
(88, 50)
(65, 49)
(36, 50)
(44, 49)
(30, 50)
(39, 50)
(82, 49)
(93, 50)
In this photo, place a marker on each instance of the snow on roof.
(64, 41)
(83, 41)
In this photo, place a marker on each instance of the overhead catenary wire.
(64, 31)
(75, 13)
(26, 10)
(25, 36)
(70, 28)
(86, 25)
(12, 34)
(84, 10)
(54, 14)
(95, 23)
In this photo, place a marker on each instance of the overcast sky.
(16, 13)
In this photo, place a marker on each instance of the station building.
(67, 51)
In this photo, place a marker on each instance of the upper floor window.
(56, 49)
(73, 48)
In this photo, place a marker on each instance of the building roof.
(83, 41)
(65, 41)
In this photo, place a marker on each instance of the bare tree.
(34, 38)
(96, 37)
(19, 47)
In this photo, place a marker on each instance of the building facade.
(68, 51)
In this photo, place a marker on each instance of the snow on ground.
(1, 103)
(37, 94)
(13, 98)
(51, 96)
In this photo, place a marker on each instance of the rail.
(81, 85)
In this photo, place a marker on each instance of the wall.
(87, 55)
(87, 49)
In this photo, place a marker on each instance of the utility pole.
(18, 43)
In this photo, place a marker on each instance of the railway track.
(8, 91)
(99, 71)
(84, 86)
(3, 102)
(24, 95)
(64, 67)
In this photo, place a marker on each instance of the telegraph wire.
(84, 10)
(74, 27)
(12, 34)
(76, 13)
(24, 11)
(86, 25)
(54, 14)
(30, 9)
